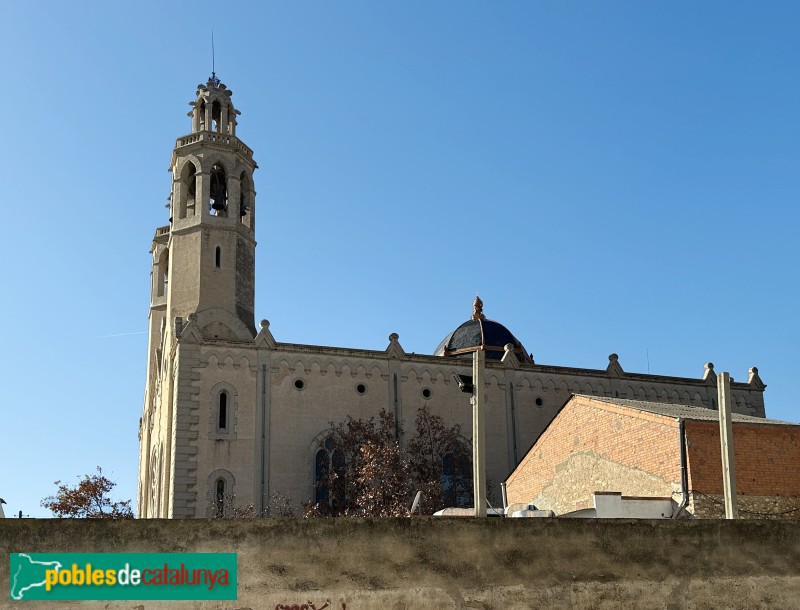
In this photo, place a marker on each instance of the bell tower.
(207, 261)
(203, 277)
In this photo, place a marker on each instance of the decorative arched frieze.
(412, 372)
(230, 359)
(522, 383)
(535, 383)
(426, 375)
(629, 392)
(493, 378)
(282, 365)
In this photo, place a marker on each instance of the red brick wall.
(635, 440)
(767, 459)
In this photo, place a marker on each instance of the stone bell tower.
(203, 272)
(207, 261)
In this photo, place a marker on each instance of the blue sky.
(611, 177)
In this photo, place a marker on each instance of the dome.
(480, 333)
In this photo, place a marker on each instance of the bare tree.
(226, 506)
(371, 472)
(280, 506)
(88, 499)
(383, 477)
(441, 463)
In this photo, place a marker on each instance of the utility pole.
(479, 433)
(726, 445)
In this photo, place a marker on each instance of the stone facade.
(229, 409)
(634, 448)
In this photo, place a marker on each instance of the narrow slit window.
(218, 257)
(223, 411)
(220, 497)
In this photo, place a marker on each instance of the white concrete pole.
(726, 444)
(479, 433)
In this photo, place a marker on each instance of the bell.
(218, 205)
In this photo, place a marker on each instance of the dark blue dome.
(480, 333)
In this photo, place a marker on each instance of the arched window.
(457, 476)
(203, 116)
(219, 506)
(220, 494)
(222, 404)
(329, 472)
(162, 271)
(218, 193)
(244, 199)
(188, 191)
(216, 116)
(222, 419)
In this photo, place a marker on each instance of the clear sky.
(609, 176)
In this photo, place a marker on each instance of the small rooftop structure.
(480, 333)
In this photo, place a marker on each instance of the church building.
(230, 412)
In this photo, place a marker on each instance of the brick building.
(637, 448)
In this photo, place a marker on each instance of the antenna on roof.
(213, 80)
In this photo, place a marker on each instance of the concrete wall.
(453, 563)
